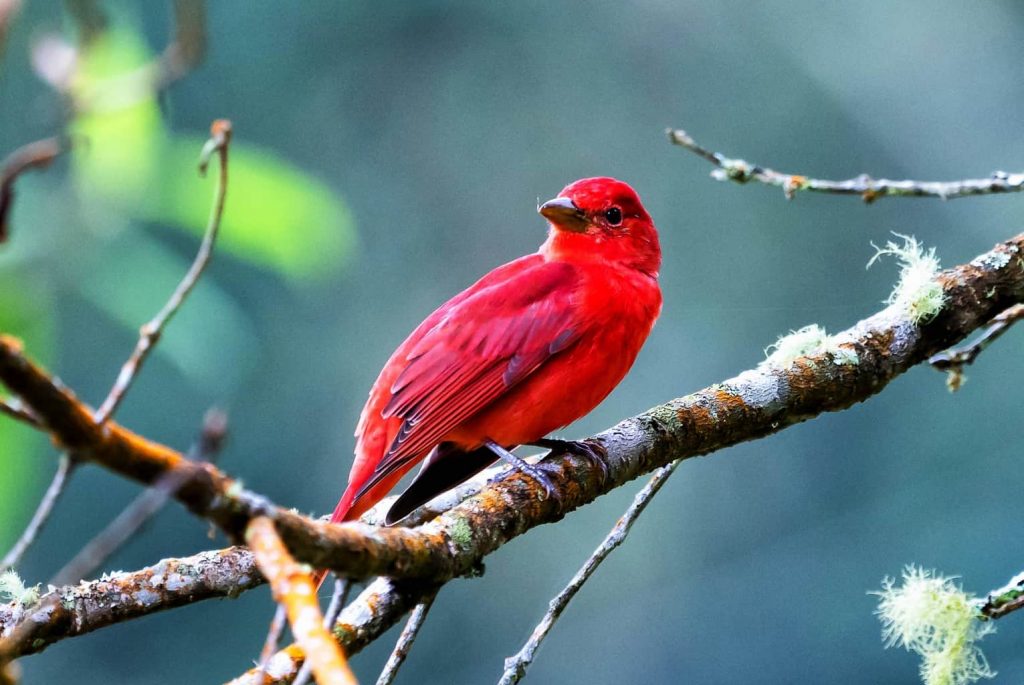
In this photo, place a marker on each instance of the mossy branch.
(756, 403)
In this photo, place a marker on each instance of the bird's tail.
(342, 512)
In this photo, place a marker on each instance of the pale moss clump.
(916, 292)
(808, 340)
(930, 615)
(13, 589)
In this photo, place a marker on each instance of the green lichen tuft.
(806, 341)
(930, 615)
(13, 589)
(462, 534)
(916, 292)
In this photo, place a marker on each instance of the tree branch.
(869, 189)
(220, 137)
(80, 609)
(374, 611)
(954, 360)
(1006, 599)
(142, 508)
(37, 155)
(294, 589)
(756, 403)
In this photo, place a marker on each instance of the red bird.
(529, 348)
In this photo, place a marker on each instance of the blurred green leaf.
(211, 340)
(25, 312)
(276, 215)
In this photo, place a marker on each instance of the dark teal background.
(431, 129)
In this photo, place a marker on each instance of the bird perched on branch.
(529, 348)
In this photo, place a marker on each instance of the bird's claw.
(591, 450)
(537, 472)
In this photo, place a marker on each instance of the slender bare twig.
(955, 359)
(183, 53)
(149, 334)
(869, 189)
(144, 507)
(405, 640)
(37, 155)
(516, 665)
(293, 588)
(187, 48)
(15, 411)
(8, 11)
(1006, 599)
(42, 514)
(273, 638)
(338, 600)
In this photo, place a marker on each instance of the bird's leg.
(524, 467)
(592, 451)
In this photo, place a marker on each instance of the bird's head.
(601, 219)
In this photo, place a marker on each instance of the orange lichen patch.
(293, 588)
(792, 184)
(696, 418)
(730, 402)
(802, 377)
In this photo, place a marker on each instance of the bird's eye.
(614, 216)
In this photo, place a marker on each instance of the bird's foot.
(591, 450)
(534, 471)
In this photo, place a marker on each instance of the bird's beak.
(564, 214)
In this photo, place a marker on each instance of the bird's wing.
(481, 347)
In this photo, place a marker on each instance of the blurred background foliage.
(387, 154)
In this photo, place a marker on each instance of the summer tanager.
(529, 348)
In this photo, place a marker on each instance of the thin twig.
(955, 359)
(293, 588)
(42, 514)
(144, 507)
(149, 334)
(515, 666)
(16, 411)
(1006, 599)
(869, 189)
(273, 638)
(8, 11)
(405, 640)
(338, 600)
(37, 155)
(183, 53)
